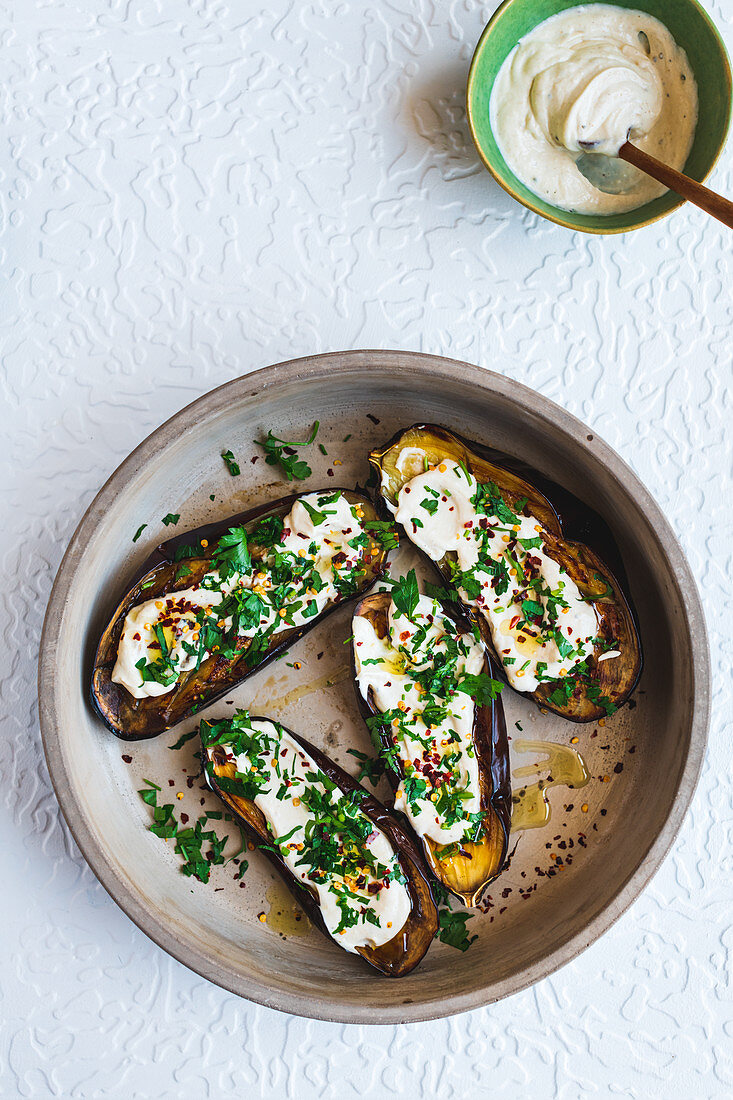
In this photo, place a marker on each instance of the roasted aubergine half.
(426, 690)
(347, 859)
(534, 579)
(217, 603)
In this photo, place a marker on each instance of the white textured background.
(191, 190)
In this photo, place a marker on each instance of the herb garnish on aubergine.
(548, 607)
(346, 859)
(426, 690)
(215, 604)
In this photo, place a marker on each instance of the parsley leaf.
(532, 610)
(171, 518)
(139, 532)
(452, 926)
(316, 514)
(268, 531)
(371, 769)
(231, 463)
(232, 553)
(453, 930)
(183, 739)
(188, 550)
(480, 687)
(278, 452)
(383, 532)
(442, 594)
(560, 695)
(405, 594)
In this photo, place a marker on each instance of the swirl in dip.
(587, 80)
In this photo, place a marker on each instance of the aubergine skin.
(465, 873)
(405, 950)
(583, 555)
(138, 719)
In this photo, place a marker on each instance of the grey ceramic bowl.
(627, 822)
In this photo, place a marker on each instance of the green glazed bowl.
(692, 29)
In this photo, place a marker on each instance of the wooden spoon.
(602, 177)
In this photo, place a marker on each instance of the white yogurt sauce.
(540, 625)
(594, 75)
(290, 774)
(439, 755)
(305, 535)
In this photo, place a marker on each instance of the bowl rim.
(561, 218)
(409, 366)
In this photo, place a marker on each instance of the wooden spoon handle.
(707, 200)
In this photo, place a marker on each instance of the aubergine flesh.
(187, 561)
(467, 866)
(573, 536)
(331, 853)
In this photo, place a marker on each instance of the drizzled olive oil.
(560, 766)
(291, 697)
(285, 916)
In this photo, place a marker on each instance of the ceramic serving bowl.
(639, 769)
(690, 26)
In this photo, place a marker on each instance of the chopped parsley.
(171, 518)
(331, 844)
(405, 594)
(418, 739)
(183, 739)
(371, 769)
(499, 563)
(188, 550)
(190, 840)
(316, 514)
(580, 679)
(383, 532)
(268, 532)
(280, 452)
(232, 553)
(261, 579)
(139, 532)
(231, 463)
(481, 687)
(452, 926)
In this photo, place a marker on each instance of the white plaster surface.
(191, 190)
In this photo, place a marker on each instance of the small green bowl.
(691, 28)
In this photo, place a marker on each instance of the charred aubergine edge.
(468, 868)
(137, 719)
(577, 538)
(405, 950)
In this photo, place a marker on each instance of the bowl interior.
(570, 874)
(692, 29)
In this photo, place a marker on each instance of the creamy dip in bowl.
(585, 80)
